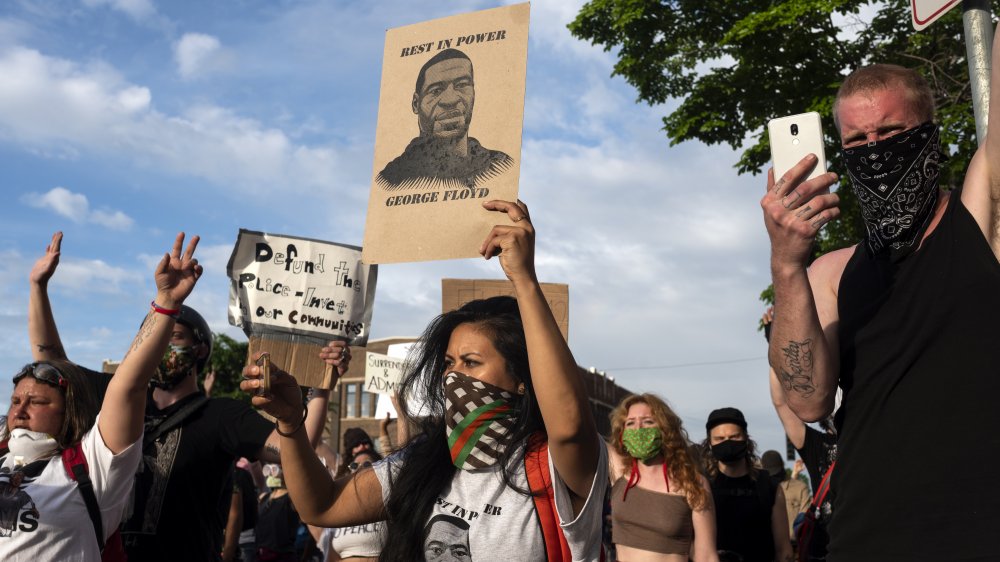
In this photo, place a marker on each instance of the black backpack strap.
(173, 420)
(77, 470)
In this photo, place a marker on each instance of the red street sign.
(926, 12)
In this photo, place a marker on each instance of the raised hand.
(46, 265)
(795, 210)
(177, 273)
(338, 354)
(514, 244)
(283, 401)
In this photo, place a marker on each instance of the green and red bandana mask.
(642, 443)
(178, 362)
(480, 419)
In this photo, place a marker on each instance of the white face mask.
(27, 446)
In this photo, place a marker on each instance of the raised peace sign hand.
(46, 265)
(176, 274)
(514, 244)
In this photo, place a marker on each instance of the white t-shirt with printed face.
(45, 518)
(479, 519)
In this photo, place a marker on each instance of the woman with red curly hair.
(661, 505)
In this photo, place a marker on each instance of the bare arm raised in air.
(42, 331)
(125, 402)
(572, 435)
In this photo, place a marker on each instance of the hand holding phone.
(264, 362)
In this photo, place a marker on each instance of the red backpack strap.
(78, 471)
(824, 487)
(536, 465)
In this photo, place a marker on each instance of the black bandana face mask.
(896, 183)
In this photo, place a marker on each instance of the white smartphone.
(792, 138)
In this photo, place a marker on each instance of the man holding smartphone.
(905, 322)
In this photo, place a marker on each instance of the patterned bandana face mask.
(480, 420)
(642, 443)
(896, 183)
(178, 362)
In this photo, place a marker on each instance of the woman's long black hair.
(427, 468)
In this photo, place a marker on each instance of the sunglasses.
(354, 467)
(42, 372)
(271, 470)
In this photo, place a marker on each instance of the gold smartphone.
(264, 362)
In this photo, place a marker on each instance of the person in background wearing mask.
(277, 520)
(749, 508)
(661, 506)
(796, 492)
(183, 487)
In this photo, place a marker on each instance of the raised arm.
(124, 404)
(320, 501)
(801, 352)
(562, 399)
(981, 193)
(42, 331)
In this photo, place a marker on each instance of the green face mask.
(642, 443)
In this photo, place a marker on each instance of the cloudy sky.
(123, 122)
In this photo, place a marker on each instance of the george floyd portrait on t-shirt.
(443, 100)
(447, 539)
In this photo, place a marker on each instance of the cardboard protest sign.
(292, 295)
(449, 134)
(382, 373)
(456, 292)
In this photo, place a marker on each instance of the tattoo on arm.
(144, 332)
(797, 371)
(272, 449)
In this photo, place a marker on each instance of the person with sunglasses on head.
(52, 412)
(506, 440)
(357, 543)
(183, 489)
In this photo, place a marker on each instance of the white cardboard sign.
(382, 373)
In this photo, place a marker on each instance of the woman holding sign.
(507, 464)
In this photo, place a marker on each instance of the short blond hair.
(876, 77)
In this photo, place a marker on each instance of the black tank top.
(919, 447)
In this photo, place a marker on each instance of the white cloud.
(47, 103)
(138, 10)
(195, 53)
(76, 207)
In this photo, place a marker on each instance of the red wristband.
(174, 313)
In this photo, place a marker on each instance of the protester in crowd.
(183, 487)
(661, 505)
(904, 322)
(277, 520)
(357, 543)
(55, 505)
(796, 492)
(498, 365)
(245, 486)
(749, 510)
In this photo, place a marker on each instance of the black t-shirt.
(743, 508)
(918, 449)
(277, 524)
(243, 482)
(818, 452)
(186, 478)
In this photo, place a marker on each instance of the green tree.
(736, 64)
(227, 361)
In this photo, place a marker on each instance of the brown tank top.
(650, 520)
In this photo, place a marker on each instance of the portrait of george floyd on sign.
(456, 292)
(292, 295)
(448, 138)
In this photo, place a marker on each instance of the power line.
(681, 365)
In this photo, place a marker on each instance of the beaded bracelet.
(174, 313)
(305, 411)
